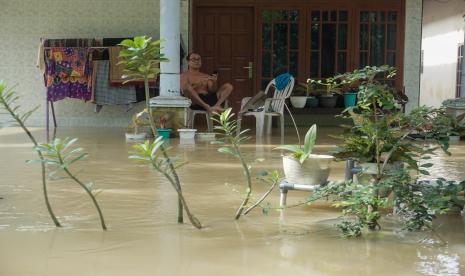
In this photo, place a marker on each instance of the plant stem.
(175, 180)
(261, 199)
(41, 157)
(249, 182)
(102, 221)
(182, 201)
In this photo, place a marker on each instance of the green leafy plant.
(381, 133)
(141, 58)
(302, 153)
(227, 127)
(59, 155)
(150, 153)
(8, 98)
(231, 144)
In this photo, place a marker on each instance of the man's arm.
(212, 83)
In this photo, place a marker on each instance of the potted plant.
(162, 128)
(450, 124)
(301, 166)
(350, 93)
(138, 121)
(380, 135)
(332, 87)
(299, 96)
(312, 99)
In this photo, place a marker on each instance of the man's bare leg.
(223, 94)
(197, 100)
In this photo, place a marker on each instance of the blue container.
(350, 98)
(164, 132)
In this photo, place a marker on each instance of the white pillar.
(170, 92)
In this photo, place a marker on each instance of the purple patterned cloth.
(68, 73)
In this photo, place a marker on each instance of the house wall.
(24, 22)
(443, 31)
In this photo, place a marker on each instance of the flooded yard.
(144, 238)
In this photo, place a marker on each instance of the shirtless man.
(201, 88)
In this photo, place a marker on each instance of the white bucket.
(187, 133)
(135, 136)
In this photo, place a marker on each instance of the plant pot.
(369, 169)
(328, 101)
(186, 133)
(312, 102)
(298, 101)
(314, 171)
(206, 136)
(454, 138)
(135, 136)
(350, 99)
(164, 132)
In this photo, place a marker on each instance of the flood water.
(140, 208)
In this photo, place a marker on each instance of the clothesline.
(89, 47)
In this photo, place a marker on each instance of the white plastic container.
(186, 133)
(206, 135)
(136, 136)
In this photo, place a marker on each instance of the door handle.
(250, 69)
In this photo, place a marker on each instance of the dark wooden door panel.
(224, 38)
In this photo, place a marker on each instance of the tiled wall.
(23, 22)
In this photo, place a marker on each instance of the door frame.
(304, 5)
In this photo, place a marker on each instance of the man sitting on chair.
(203, 89)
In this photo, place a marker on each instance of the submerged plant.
(227, 127)
(150, 153)
(59, 155)
(381, 134)
(141, 60)
(8, 97)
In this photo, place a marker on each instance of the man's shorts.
(209, 99)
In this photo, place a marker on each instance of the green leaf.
(310, 139)
(424, 172)
(291, 148)
(89, 186)
(80, 157)
(227, 150)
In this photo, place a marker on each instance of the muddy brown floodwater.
(144, 238)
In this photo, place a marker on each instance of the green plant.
(381, 134)
(8, 97)
(227, 127)
(300, 89)
(302, 153)
(231, 141)
(331, 84)
(150, 153)
(141, 60)
(59, 155)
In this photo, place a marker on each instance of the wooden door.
(224, 37)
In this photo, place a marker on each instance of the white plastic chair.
(273, 107)
(194, 112)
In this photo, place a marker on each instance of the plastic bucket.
(164, 132)
(349, 99)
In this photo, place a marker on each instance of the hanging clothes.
(105, 94)
(68, 73)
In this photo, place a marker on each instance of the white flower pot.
(186, 133)
(135, 136)
(206, 136)
(454, 138)
(298, 101)
(314, 171)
